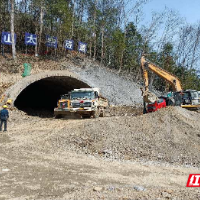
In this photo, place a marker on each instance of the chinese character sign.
(82, 47)
(69, 44)
(6, 38)
(30, 39)
(51, 41)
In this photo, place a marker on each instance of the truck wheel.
(58, 116)
(96, 113)
(85, 116)
(102, 113)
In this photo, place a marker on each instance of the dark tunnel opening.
(40, 98)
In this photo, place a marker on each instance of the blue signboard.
(82, 47)
(30, 39)
(69, 44)
(6, 38)
(51, 41)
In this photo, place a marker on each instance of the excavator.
(186, 99)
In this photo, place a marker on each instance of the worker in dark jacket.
(4, 115)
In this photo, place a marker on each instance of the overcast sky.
(189, 9)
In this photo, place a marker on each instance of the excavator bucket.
(149, 97)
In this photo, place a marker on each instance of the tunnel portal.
(40, 98)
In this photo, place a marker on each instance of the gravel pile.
(169, 135)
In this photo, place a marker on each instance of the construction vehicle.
(186, 99)
(83, 102)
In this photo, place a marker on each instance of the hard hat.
(5, 106)
(9, 101)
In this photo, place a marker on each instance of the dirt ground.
(104, 158)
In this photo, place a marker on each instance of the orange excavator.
(186, 99)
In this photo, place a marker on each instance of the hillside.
(118, 89)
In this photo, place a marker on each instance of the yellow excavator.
(186, 99)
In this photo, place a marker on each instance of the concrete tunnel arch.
(38, 94)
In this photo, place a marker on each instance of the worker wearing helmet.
(4, 115)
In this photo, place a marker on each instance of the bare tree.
(80, 10)
(42, 9)
(196, 48)
(171, 24)
(73, 15)
(108, 11)
(94, 30)
(150, 32)
(102, 32)
(188, 48)
(135, 11)
(92, 26)
(12, 17)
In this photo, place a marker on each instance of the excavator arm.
(170, 78)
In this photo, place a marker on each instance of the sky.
(189, 9)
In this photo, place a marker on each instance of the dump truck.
(83, 102)
(185, 98)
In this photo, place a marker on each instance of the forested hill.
(104, 28)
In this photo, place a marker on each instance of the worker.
(4, 115)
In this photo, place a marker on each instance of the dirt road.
(44, 158)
